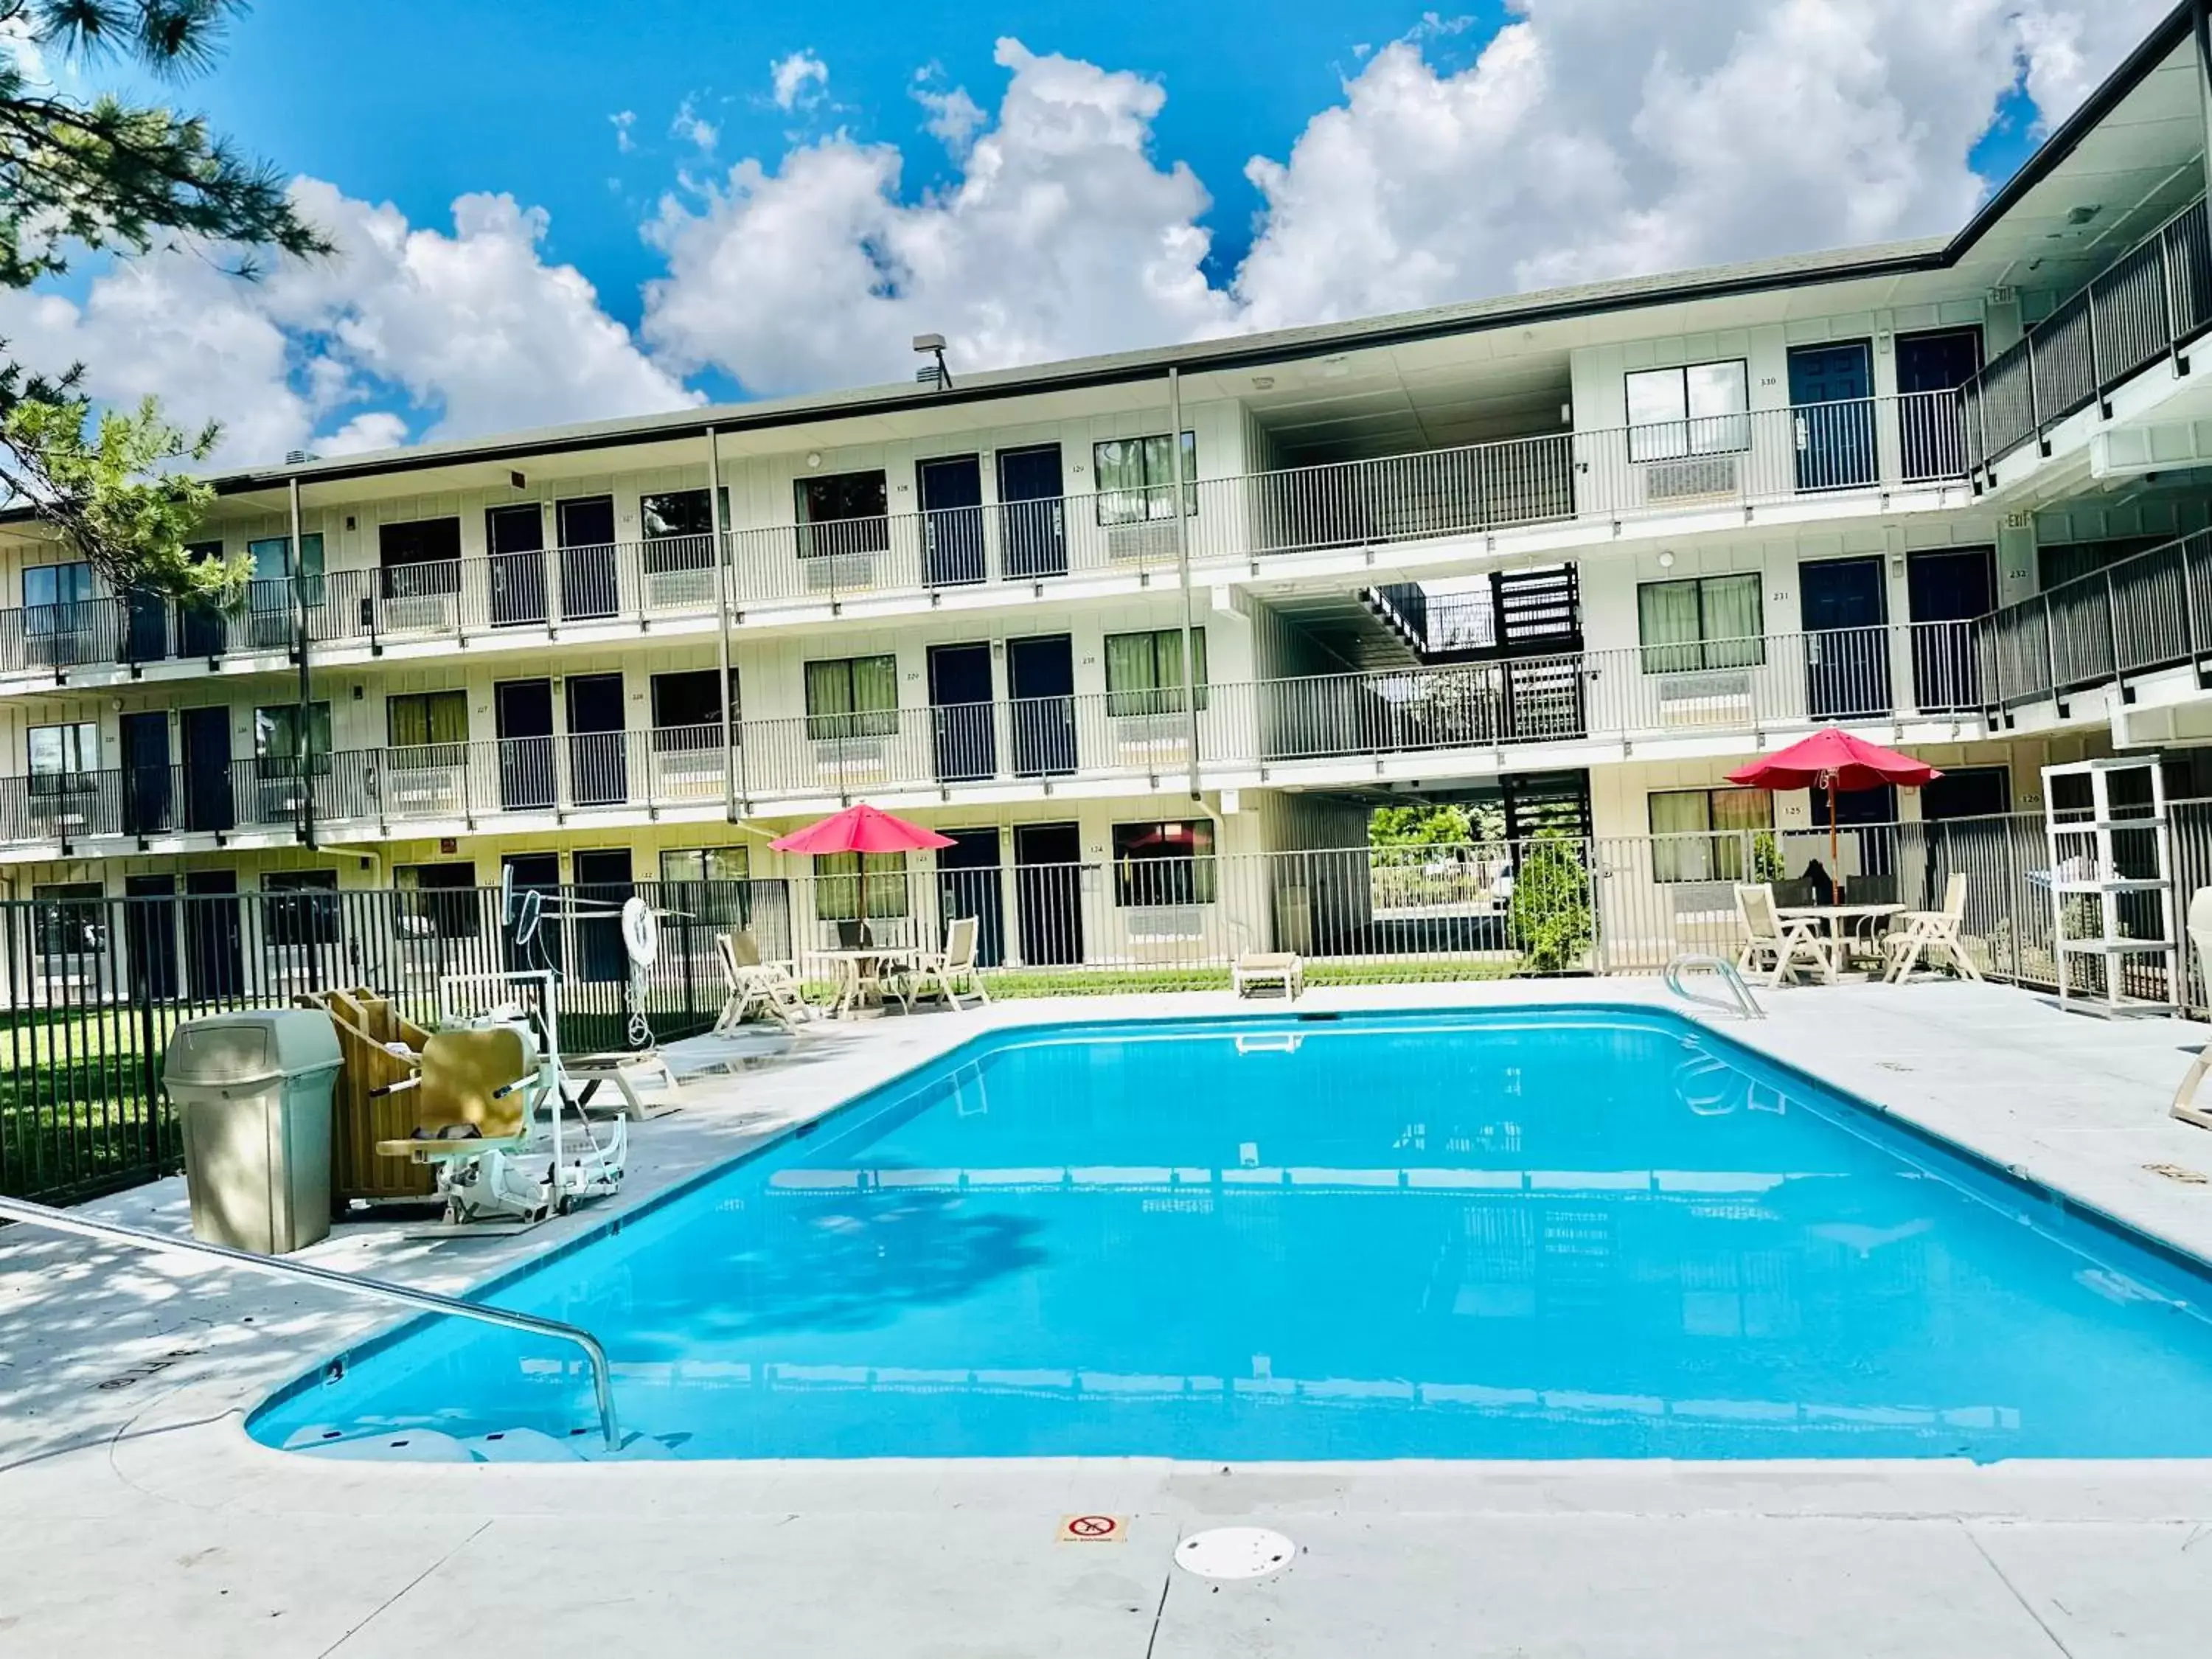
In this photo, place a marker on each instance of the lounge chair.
(1916, 933)
(756, 984)
(2200, 944)
(1770, 938)
(939, 973)
(1253, 969)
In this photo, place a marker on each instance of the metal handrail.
(40, 1215)
(1741, 1000)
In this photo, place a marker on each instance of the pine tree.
(108, 175)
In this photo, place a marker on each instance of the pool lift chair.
(495, 1121)
(511, 1141)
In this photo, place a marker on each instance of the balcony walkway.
(1916, 683)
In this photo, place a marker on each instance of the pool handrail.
(1740, 1002)
(41, 1215)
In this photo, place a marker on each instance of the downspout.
(722, 552)
(2201, 18)
(298, 561)
(1183, 570)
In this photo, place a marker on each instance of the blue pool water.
(1560, 1233)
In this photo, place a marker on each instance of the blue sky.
(438, 99)
(1097, 199)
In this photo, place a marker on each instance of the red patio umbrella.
(1833, 760)
(860, 829)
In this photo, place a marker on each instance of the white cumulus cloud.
(1587, 139)
(1062, 235)
(470, 331)
(799, 80)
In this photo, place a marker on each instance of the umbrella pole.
(1835, 859)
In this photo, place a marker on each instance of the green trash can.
(254, 1093)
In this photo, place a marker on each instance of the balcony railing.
(1738, 690)
(2149, 612)
(2154, 301)
(1717, 463)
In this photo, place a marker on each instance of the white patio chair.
(940, 973)
(1916, 933)
(1769, 937)
(2200, 944)
(754, 983)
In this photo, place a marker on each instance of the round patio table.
(861, 966)
(1839, 918)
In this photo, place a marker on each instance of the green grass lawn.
(79, 1112)
(1020, 983)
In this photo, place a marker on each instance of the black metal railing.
(2150, 303)
(92, 987)
(2146, 613)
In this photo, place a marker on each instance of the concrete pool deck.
(136, 1516)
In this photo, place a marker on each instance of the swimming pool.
(1564, 1232)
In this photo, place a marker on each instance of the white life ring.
(529, 910)
(640, 933)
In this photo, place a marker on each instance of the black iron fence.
(92, 987)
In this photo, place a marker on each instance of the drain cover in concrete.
(1235, 1553)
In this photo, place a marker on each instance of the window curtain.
(1733, 623)
(1132, 675)
(1667, 625)
(1679, 817)
(1739, 816)
(1144, 671)
(859, 887)
(429, 729)
(1136, 477)
(828, 701)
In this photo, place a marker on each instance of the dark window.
(679, 530)
(63, 758)
(70, 918)
(1163, 863)
(269, 587)
(438, 901)
(843, 512)
(300, 907)
(687, 708)
(276, 732)
(420, 558)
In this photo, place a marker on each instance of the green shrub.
(1552, 904)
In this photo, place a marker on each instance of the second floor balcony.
(1928, 681)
